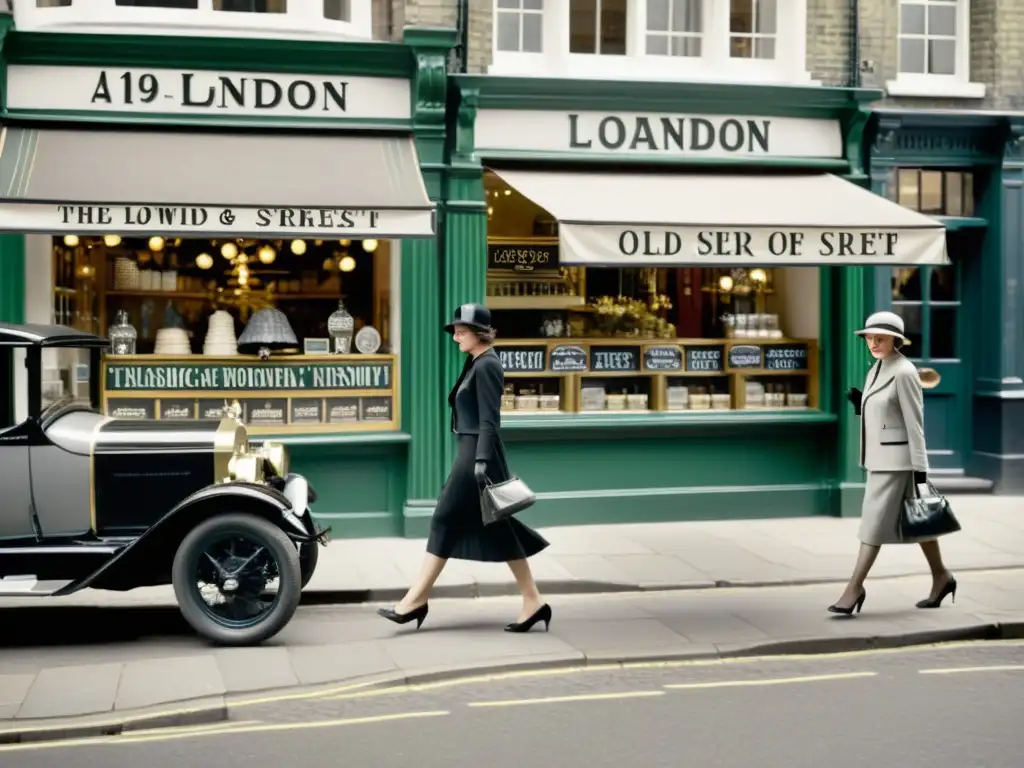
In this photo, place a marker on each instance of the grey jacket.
(892, 418)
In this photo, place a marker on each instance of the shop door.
(929, 301)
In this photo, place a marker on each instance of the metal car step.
(29, 586)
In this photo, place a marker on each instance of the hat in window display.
(268, 329)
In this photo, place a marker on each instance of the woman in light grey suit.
(892, 450)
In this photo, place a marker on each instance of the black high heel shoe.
(417, 614)
(541, 614)
(849, 611)
(949, 589)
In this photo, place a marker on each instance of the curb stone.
(222, 711)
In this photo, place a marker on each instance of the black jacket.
(475, 401)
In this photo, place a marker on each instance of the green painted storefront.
(642, 466)
(970, 319)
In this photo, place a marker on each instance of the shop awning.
(663, 219)
(211, 184)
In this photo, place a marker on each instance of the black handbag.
(927, 516)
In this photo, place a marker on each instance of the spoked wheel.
(237, 579)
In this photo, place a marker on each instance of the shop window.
(188, 300)
(519, 25)
(933, 192)
(752, 29)
(610, 339)
(597, 26)
(674, 27)
(934, 50)
(251, 6)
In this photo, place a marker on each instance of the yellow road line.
(565, 699)
(185, 729)
(227, 730)
(958, 670)
(769, 681)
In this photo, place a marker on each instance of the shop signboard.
(745, 356)
(521, 257)
(614, 359)
(650, 134)
(568, 358)
(164, 92)
(785, 357)
(663, 358)
(254, 377)
(219, 220)
(705, 359)
(523, 359)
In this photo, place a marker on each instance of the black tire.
(289, 590)
(309, 556)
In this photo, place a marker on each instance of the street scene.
(576, 382)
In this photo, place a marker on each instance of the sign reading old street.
(262, 377)
(204, 92)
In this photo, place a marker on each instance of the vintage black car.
(88, 501)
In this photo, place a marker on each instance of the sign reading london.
(206, 93)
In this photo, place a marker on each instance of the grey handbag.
(499, 501)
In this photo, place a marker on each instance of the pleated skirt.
(883, 504)
(457, 530)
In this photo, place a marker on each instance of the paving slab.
(164, 680)
(67, 691)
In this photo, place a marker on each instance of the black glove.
(480, 473)
(920, 477)
(855, 396)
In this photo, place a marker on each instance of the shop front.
(965, 318)
(675, 272)
(253, 224)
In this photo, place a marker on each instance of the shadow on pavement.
(58, 625)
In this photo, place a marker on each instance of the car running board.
(29, 586)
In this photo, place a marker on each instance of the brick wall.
(390, 16)
(828, 41)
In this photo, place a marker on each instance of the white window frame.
(521, 12)
(303, 21)
(671, 35)
(955, 86)
(714, 64)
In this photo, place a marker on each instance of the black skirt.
(457, 530)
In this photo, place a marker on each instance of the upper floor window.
(674, 27)
(519, 25)
(751, 41)
(934, 50)
(225, 18)
(597, 26)
(752, 29)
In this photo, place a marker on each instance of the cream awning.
(672, 219)
(211, 184)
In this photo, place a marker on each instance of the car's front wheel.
(223, 575)
(309, 556)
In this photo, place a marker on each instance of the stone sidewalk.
(655, 556)
(110, 669)
(683, 589)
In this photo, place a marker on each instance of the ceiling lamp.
(267, 254)
(725, 283)
(298, 247)
(111, 241)
(345, 243)
(156, 243)
(70, 240)
(347, 264)
(229, 250)
(204, 261)
(369, 246)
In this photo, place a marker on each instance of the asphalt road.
(944, 707)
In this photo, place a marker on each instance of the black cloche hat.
(474, 315)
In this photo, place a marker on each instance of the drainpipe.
(854, 43)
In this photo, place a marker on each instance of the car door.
(15, 484)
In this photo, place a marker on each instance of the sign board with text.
(521, 257)
(216, 220)
(297, 394)
(206, 93)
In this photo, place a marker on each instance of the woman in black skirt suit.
(456, 528)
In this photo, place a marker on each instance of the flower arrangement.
(624, 316)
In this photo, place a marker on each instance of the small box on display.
(316, 346)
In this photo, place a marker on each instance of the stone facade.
(828, 41)
(389, 16)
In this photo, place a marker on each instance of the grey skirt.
(883, 503)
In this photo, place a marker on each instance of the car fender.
(147, 560)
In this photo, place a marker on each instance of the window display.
(197, 326)
(587, 339)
